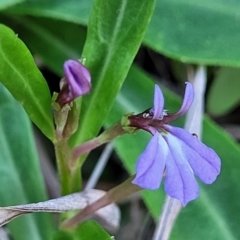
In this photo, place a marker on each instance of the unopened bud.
(75, 83)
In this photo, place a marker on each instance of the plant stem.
(70, 181)
(108, 135)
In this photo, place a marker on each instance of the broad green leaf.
(215, 214)
(190, 31)
(203, 31)
(20, 172)
(109, 55)
(224, 94)
(20, 75)
(7, 3)
(63, 40)
(72, 10)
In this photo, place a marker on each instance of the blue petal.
(187, 102)
(158, 103)
(78, 78)
(180, 182)
(151, 163)
(203, 160)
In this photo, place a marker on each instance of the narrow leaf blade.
(109, 55)
(20, 173)
(20, 75)
(63, 40)
(73, 11)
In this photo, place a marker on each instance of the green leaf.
(8, 3)
(63, 235)
(214, 215)
(197, 32)
(109, 55)
(20, 172)
(20, 75)
(63, 40)
(224, 93)
(91, 230)
(72, 10)
(203, 31)
(88, 230)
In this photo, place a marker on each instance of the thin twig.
(99, 167)
(193, 124)
(167, 218)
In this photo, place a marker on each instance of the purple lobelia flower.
(174, 152)
(75, 83)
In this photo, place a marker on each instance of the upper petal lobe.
(158, 103)
(187, 102)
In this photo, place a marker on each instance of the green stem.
(108, 135)
(76, 177)
(70, 180)
(70, 161)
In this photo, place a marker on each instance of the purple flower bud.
(173, 150)
(75, 83)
